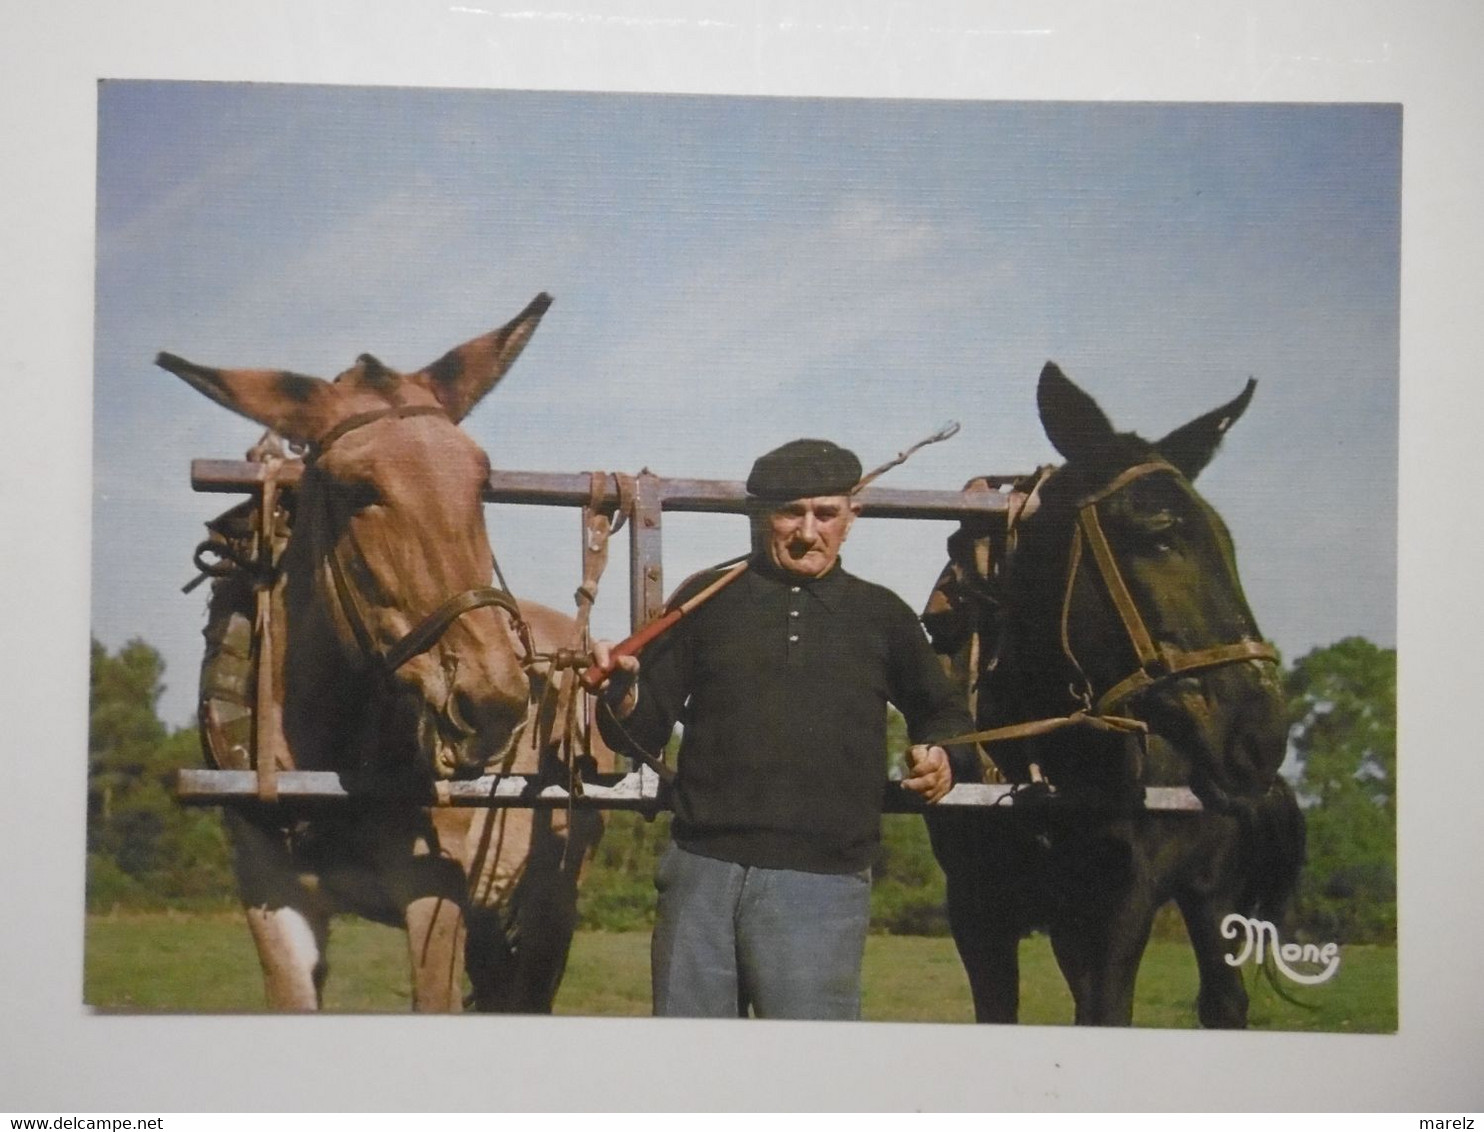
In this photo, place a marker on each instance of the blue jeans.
(729, 937)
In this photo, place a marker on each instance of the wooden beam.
(563, 489)
(637, 790)
(634, 791)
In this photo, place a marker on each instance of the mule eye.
(1156, 530)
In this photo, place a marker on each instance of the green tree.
(124, 734)
(1342, 701)
(908, 894)
(144, 849)
(617, 892)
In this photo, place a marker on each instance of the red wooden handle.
(629, 646)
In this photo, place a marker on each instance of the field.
(177, 963)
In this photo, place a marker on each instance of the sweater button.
(795, 637)
(793, 589)
(793, 612)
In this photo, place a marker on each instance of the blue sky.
(733, 272)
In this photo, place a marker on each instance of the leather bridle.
(1156, 662)
(427, 632)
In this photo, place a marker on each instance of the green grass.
(206, 963)
(180, 962)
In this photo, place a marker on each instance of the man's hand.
(620, 688)
(928, 772)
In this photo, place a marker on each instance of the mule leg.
(1222, 1002)
(988, 942)
(433, 897)
(291, 943)
(1100, 935)
(516, 961)
(990, 872)
(289, 922)
(425, 880)
(1100, 962)
(545, 906)
(992, 963)
(435, 944)
(521, 926)
(495, 851)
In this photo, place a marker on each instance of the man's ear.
(757, 526)
(855, 513)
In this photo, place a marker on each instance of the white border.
(56, 1058)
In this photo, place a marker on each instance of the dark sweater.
(781, 684)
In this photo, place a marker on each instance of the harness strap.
(349, 606)
(360, 420)
(1173, 661)
(1123, 602)
(427, 632)
(522, 626)
(597, 526)
(1032, 728)
(1156, 662)
(268, 742)
(654, 762)
(1123, 479)
(560, 699)
(1090, 529)
(1074, 561)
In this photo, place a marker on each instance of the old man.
(781, 681)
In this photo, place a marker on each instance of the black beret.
(802, 469)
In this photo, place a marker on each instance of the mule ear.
(466, 373)
(292, 405)
(1073, 422)
(1191, 446)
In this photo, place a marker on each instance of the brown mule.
(397, 662)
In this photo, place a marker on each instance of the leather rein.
(1156, 662)
(427, 632)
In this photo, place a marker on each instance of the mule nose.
(485, 714)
